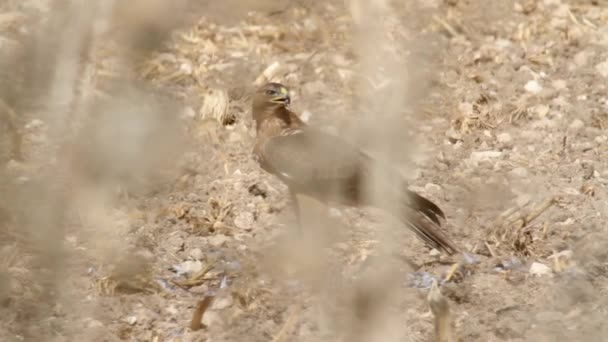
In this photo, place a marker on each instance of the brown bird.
(328, 168)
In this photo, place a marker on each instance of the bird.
(330, 169)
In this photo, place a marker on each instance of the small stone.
(466, 108)
(93, 323)
(512, 263)
(519, 172)
(235, 137)
(196, 254)
(188, 267)
(559, 84)
(602, 68)
(533, 87)
(244, 220)
(541, 111)
(218, 240)
(305, 116)
(222, 302)
(176, 242)
(14, 166)
(334, 213)
(432, 188)
(543, 124)
(539, 269)
(340, 60)
(571, 191)
(36, 123)
(131, 320)
(470, 259)
(189, 113)
(485, 155)
(434, 253)
(504, 138)
(562, 11)
(576, 125)
(172, 310)
(552, 2)
(581, 58)
(453, 135)
(211, 318)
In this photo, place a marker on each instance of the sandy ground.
(137, 199)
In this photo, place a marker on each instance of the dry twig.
(513, 224)
(196, 278)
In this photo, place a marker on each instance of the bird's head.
(269, 98)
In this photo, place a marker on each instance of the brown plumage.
(330, 169)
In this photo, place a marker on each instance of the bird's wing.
(310, 157)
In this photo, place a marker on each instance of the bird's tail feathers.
(423, 217)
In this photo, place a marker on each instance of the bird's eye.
(270, 92)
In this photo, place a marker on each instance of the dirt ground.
(136, 205)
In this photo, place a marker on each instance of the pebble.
(559, 84)
(93, 323)
(541, 111)
(335, 213)
(533, 87)
(235, 137)
(420, 279)
(131, 320)
(519, 172)
(510, 264)
(36, 123)
(14, 166)
(211, 318)
(188, 113)
(172, 310)
(196, 254)
(602, 68)
(244, 220)
(552, 2)
(453, 135)
(222, 302)
(504, 138)
(601, 139)
(470, 259)
(484, 155)
(218, 240)
(576, 125)
(543, 123)
(305, 116)
(466, 108)
(540, 269)
(188, 267)
(432, 188)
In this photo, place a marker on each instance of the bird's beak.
(283, 97)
